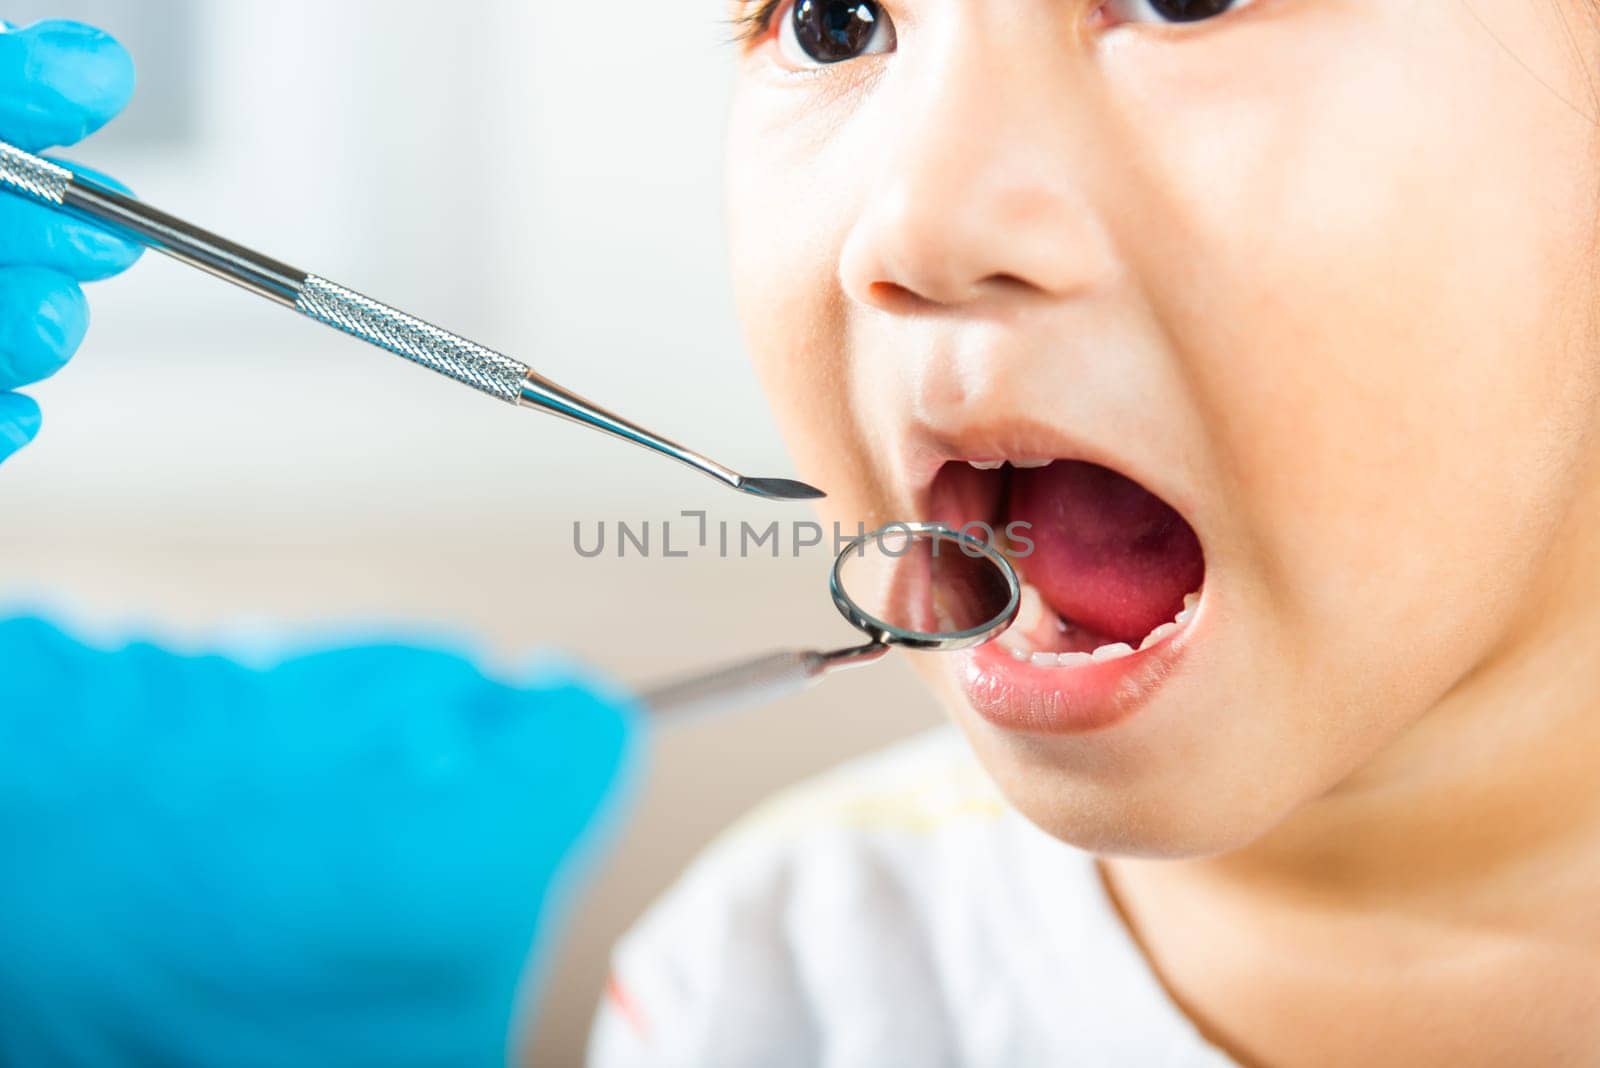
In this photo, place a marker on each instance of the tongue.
(1109, 555)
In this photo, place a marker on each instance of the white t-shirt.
(894, 912)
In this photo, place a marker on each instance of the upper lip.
(925, 447)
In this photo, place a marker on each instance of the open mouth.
(1111, 575)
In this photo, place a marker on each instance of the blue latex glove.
(59, 82)
(340, 859)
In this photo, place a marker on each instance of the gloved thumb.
(59, 82)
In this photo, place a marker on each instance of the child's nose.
(976, 195)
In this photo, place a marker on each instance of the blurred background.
(544, 178)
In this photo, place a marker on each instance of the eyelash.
(754, 24)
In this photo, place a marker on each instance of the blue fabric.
(59, 82)
(340, 858)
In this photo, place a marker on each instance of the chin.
(1181, 771)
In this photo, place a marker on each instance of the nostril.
(904, 300)
(1004, 285)
(897, 299)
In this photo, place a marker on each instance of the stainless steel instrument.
(448, 354)
(917, 585)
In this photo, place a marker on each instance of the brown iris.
(832, 31)
(1190, 10)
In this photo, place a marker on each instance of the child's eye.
(1118, 11)
(820, 32)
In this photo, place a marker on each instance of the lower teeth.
(1052, 659)
(1032, 612)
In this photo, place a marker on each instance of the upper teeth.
(995, 465)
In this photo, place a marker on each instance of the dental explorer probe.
(333, 305)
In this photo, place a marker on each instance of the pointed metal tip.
(779, 489)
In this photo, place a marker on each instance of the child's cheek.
(789, 211)
(1373, 300)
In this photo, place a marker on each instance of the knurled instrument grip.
(32, 176)
(406, 335)
(422, 343)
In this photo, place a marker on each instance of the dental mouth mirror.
(333, 305)
(916, 585)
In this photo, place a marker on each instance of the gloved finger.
(574, 743)
(19, 423)
(32, 233)
(43, 317)
(59, 82)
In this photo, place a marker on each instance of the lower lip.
(1020, 696)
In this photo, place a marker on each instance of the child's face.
(1314, 273)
